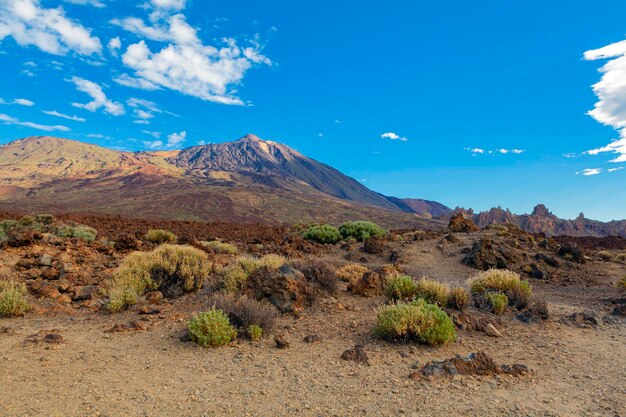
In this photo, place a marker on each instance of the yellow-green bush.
(432, 291)
(322, 234)
(360, 230)
(217, 246)
(271, 261)
(401, 287)
(233, 278)
(622, 283)
(13, 300)
(211, 329)
(169, 268)
(458, 299)
(255, 332)
(505, 282)
(160, 236)
(80, 231)
(498, 302)
(351, 272)
(417, 321)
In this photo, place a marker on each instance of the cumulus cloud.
(28, 23)
(23, 102)
(63, 116)
(9, 120)
(589, 171)
(114, 45)
(94, 3)
(610, 109)
(393, 136)
(173, 141)
(185, 64)
(99, 98)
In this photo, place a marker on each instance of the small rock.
(125, 327)
(356, 354)
(312, 338)
(53, 338)
(154, 297)
(281, 341)
(491, 330)
(144, 309)
(44, 260)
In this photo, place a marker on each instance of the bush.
(360, 230)
(244, 312)
(233, 278)
(13, 300)
(45, 219)
(255, 332)
(458, 299)
(351, 272)
(605, 255)
(401, 287)
(432, 291)
(272, 261)
(322, 234)
(417, 321)
(171, 269)
(86, 233)
(3, 235)
(160, 236)
(27, 220)
(622, 283)
(220, 247)
(505, 282)
(318, 272)
(498, 302)
(211, 329)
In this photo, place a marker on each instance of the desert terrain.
(68, 355)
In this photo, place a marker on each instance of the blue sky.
(475, 104)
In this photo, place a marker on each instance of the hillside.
(248, 180)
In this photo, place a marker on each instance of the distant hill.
(246, 180)
(541, 220)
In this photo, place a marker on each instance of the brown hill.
(249, 180)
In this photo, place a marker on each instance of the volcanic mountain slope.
(246, 180)
(541, 220)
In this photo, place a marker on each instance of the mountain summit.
(248, 179)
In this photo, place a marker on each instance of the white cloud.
(615, 169)
(590, 171)
(23, 102)
(155, 135)
(503, 151)
(114, 45)
(393, 136)
(94, 3)
(610, 109)
(28, 73)
(64, 116)
(185, 64)
(99, 98)
(98, 136)
(144, 109)
(14, 121)
(176, 139)
(475, 150)
(154, 144)
(28, 23)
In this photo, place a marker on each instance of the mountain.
(541, 220)
(249, 180)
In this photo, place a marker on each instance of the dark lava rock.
(374, 245)
(459, 224)
(356, 354)
(281, 341)
(572, 253)
(474, 364)
(485, 256)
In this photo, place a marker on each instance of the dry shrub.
(318, 272)
(271, 261)
(458, 299)
(504, 282)
(389, 270)
(233, 278)
(13, 300)
(217, 246)
(605, 255)
(244, 312)
(160, 236)
(432, 291)
(172, 269)
(351, 272)
(401, 287)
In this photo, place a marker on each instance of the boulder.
(356, 354)
(459, 224)
(286, 288)
(369, 285)
(374, 245)
(484, 256)
(572, 253)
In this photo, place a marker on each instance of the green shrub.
(505, 282)
(172, 269)
(27, 220)
(322, 234)
(351, 272)
(255, 332)
(272, 261)
(432, 291)
(417, 321)
(86, 233)
(8, 224)
(211, 329)
(217, 246)
(401, 287)
(233, 278)
(13, 300)
(458, 299)
(360, 230)
(3, 235)
(46, 219)
(244, 312)
(160, 236)
(498, 302)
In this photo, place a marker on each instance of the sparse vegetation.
(497, 302)
(402, 287)
(351, 272)
(211, 329)
(45, 219)
(271, 261)
(622, 283)
(160, 236)
(244, 312)
(322, 234)
(80, 231)
(255, 332)
(417, 321)
(458, 299)
(504, 282)
(318, 272)
(13, 300)
(217, 246)
(605, 255)
(360, 230)
(432, 291)
(233, 278)
(172, 269)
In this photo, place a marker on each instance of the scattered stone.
(584, 319)
(459, 224)
(312, 338)
(51, 337)
(572, 253)
(548, 260)
(147, 309)
(154, 297)
(185, 336)
(369, 285)
(44, 260)
(126, 327)
(127, 243)
(374, 245)
(491, 330)
(619, 311)
(281, 341)
(478, 363)
(356, 354)
(535, 271)
(484, 256)
(85, 292)
(394, 258)
(286, 288)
